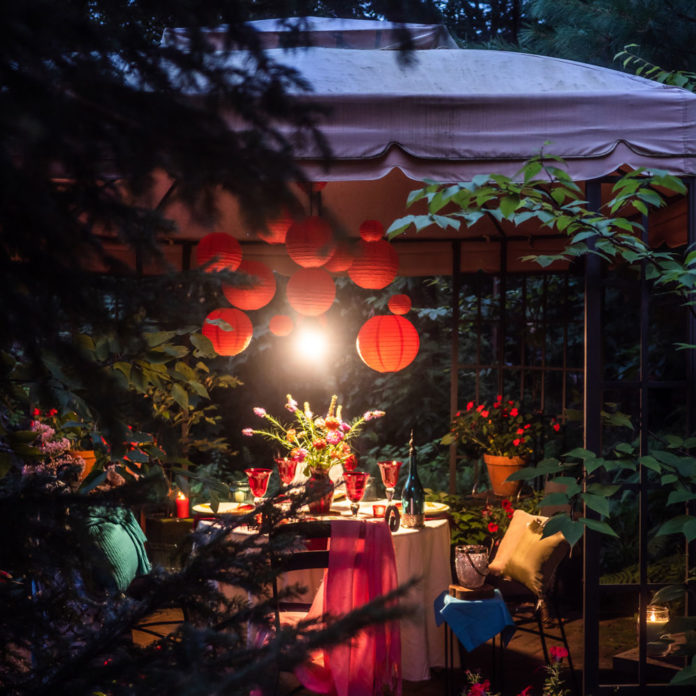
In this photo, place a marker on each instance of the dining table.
(421, 554)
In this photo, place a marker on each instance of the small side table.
(473, 622)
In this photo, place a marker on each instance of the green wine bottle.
(413, 495)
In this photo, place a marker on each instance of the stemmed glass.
(258, 482)
(286, 469)
(390, 476)
(356, 482)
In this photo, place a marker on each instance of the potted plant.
(316, 442)
(502, 434)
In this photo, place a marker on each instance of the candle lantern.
(471, 564)
(656, 619)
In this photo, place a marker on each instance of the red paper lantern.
(224, 247)
(399, 304)
(311, 291)
(310, 242)
(342, 258)
(387, 343)
(280, 325)
(256, 292)
(371, 230)
(228, 341)
(276, 231)
(375, 265)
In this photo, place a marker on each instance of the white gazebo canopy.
(449, 114)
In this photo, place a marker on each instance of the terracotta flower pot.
(320, 488)
(499, 468)
(89, 457)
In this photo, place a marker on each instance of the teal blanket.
(118, 547)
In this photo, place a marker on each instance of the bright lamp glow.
(310, 344)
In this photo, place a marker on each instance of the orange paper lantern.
(228, 341)
(371, 230)
(310, 242)
(280, 325)
(311, 291)
(276, 231)
(342, 258)
(387, 343)
(375, 265)
(221, 246)
(399, 304)
(256, 292)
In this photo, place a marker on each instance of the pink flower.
(484, 414)
(299, 454)
(371, 415)
(345, 427)
(520, 431)
(248, 432)
(333, 437)
(516, 441)
(469, 406)
(260, 412)
(53, 412)
(557, 652)
(492, 527)
(291, 405)
(479, 408)
(514, 412)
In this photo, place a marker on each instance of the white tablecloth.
(420, 553)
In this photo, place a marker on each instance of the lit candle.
(182, 505)
(378, 510)
(656, 620)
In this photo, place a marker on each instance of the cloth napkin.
(474, 621)
(362, 567)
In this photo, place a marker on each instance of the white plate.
(224, 509)
(435, 508)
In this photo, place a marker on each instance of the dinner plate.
(224, 509)
(435, 508)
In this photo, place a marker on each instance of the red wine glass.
(356, 482)
(390, 476)
(258, 482)
(286, 469)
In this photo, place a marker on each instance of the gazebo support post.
(454, 365)
(592, 435)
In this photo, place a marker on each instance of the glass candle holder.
(471, 564)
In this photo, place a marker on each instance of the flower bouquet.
(316, 442)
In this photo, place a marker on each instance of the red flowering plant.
(318, 442)
(499, 428)
(497, 519)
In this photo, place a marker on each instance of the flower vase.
(320, 489)
(499, 468)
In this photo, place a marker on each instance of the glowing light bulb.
(311, 344)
